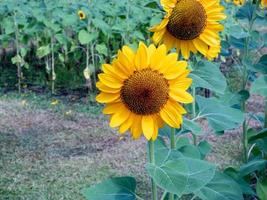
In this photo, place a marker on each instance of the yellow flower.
(264, 3)
(190, 25)
(54, 102)
(239, 2)
(81, 15)
(143, 90)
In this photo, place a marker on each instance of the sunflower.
(264, 3)
(81, 14)
(143, 90)
(190, 25)
(239, 2)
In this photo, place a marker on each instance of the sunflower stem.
(17, 53)
(265, 121)
(173, 146)
(152, 161)
(194, 113)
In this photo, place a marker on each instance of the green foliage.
(220, 117)
(201, 76)
(119, 188)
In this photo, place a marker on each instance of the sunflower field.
(160, 81)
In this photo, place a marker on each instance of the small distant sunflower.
(81, 14)
(264, 3)
(143, 90)
(190, 25)
(239, 2)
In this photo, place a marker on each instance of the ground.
(51, 152)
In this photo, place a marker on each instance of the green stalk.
(93, 62)
(152, 161)
(245, 79)
(265, 121)
(173, 146)
(53, 66)
(17, 53)
(194, 113)
(87, 66)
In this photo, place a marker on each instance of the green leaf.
(259, 86)
(237, 32)
(163, 153)
(204, 148)
(190, 151)
(182, 141)
(252, 166)
(16, 60)
(182, 176)
(221, 187)
(85, 37)
(192, 126)
(220, 117)
(102, 49)
(119, 188)
(260, 135)
(208, 75)
(229, 98)
(43, 51)
(261, 189)
(261, 65)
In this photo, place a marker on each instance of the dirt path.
(46, 154)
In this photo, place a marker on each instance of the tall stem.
(245, 140)
(265, 121)
(152, 161)
(53, 66)
(194, 113)
(17, 53)
(173, 146)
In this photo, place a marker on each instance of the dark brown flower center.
(187, 20)
(145, 92)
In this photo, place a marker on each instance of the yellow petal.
(136, 128)
(148, 126)
(127, 124)
(110, 81)
(156, 57)
(112, 108)
(141, 58)
(107, 98)
(176, 70)
(119, 117)
(181, 95)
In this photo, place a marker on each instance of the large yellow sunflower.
(143, 90)
(190, 25)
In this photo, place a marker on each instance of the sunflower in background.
(264, 3)
(143, 90)
(81, 15)
(190, 26)
(239, 2)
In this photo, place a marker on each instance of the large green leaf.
(252, 166)
(163, 153)
(119, 188)
(259, 86)
(221, 187)
(182, 176)
(208, 75)
(220, 117)
(261, 189)
(192, 126)
(261, 65)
